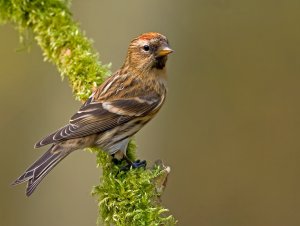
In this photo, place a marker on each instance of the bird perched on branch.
(118, 109)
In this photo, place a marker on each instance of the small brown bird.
(118, 109)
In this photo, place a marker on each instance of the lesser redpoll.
(119, 108)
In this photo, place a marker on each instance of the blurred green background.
(229, 129)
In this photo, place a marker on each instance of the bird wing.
(96, 117)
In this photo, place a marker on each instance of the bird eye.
(146, 47)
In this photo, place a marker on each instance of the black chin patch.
(160, 62)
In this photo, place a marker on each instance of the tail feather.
(40, 168)
(45, 141)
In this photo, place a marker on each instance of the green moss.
(125, 198)
(129, 198)
(61, 40)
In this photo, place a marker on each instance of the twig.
(130, 198)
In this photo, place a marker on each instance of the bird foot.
(134, 165)
(138, 164)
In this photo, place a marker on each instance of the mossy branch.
(130, 198)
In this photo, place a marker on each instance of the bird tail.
(40, 168)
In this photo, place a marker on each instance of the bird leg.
(119, 156)
(137, 164)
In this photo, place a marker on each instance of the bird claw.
(134, 165)
(139, 164)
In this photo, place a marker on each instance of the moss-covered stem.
(124, 198)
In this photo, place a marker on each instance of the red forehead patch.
(149, 35)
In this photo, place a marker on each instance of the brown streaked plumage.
(118, 109)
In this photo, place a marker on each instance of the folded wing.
(97, 117)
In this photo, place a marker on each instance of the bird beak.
(164, 51)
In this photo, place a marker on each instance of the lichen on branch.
(125, 198)
(132, 197)
(61, 40)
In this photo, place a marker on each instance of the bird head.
(147, 52)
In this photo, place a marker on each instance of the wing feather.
(96, 117)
